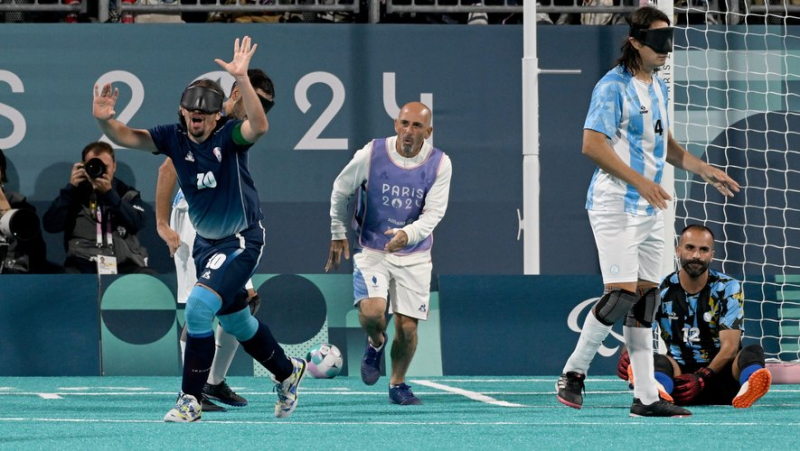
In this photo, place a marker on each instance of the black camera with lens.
(95, 168)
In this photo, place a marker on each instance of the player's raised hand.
(104, 101)
(338, 247)
(721, 181)
(241, 57)
(653, 193)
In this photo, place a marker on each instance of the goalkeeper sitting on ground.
(701, 317)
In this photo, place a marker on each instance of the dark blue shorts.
(225, 265)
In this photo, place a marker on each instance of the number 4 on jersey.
(206, 180)
(659, 128)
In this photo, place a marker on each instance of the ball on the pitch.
(324, 361)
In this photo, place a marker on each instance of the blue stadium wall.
(337, 87)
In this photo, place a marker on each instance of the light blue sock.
(747, 372)
(666, 381)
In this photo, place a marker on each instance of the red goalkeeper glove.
(689, 386)
(622, 364)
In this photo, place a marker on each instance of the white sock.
(226, 350)
(183, 351)
(592, 336)
(639, 341)
(379, 347)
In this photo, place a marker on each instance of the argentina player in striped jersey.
(210, 158)
(627, 135)
(701, 320)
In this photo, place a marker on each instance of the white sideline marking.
(648, 424)
(469, 394)
(49, 396)
(103, 388)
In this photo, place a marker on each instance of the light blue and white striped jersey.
(180, 201)
(633, 116)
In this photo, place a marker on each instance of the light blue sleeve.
(733, 308)
(605, 110)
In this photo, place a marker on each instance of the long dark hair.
(641, 19)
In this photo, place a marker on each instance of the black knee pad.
(662, 364)
(750, 355)
(644, 310)
(614, 305)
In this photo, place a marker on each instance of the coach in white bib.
(403, 185)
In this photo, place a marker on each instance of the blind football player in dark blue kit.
(210, 158)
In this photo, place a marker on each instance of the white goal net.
(737, 106)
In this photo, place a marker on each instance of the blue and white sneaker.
(186, 410)
(287, 390)
(401, 394)
(371, 363)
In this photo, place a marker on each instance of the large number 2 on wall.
(311, 140)
(137, 95)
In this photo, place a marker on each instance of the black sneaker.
(570, 388)
(223, 393)
(659, 408)
(209, 406)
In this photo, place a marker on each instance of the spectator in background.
(22, 248)
(100, 216)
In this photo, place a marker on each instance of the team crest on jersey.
(189, 157)
(218, 153)
(643, 109)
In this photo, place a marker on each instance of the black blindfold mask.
(658, 39)
(199, 98)
(266, 104)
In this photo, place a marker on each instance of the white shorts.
(184, 263)
(408, 288)
(629, 247)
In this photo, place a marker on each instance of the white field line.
(678, 423)
(49, 396)
(469, 394)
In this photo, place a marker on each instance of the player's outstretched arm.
(165, 186)
(119, 133)
(256, 124)
(596, 147)
(681, 158)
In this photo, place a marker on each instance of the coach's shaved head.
(413, 127)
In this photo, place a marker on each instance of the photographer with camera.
(22, 248)
(100, 217)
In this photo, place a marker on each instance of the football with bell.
(324, 361)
